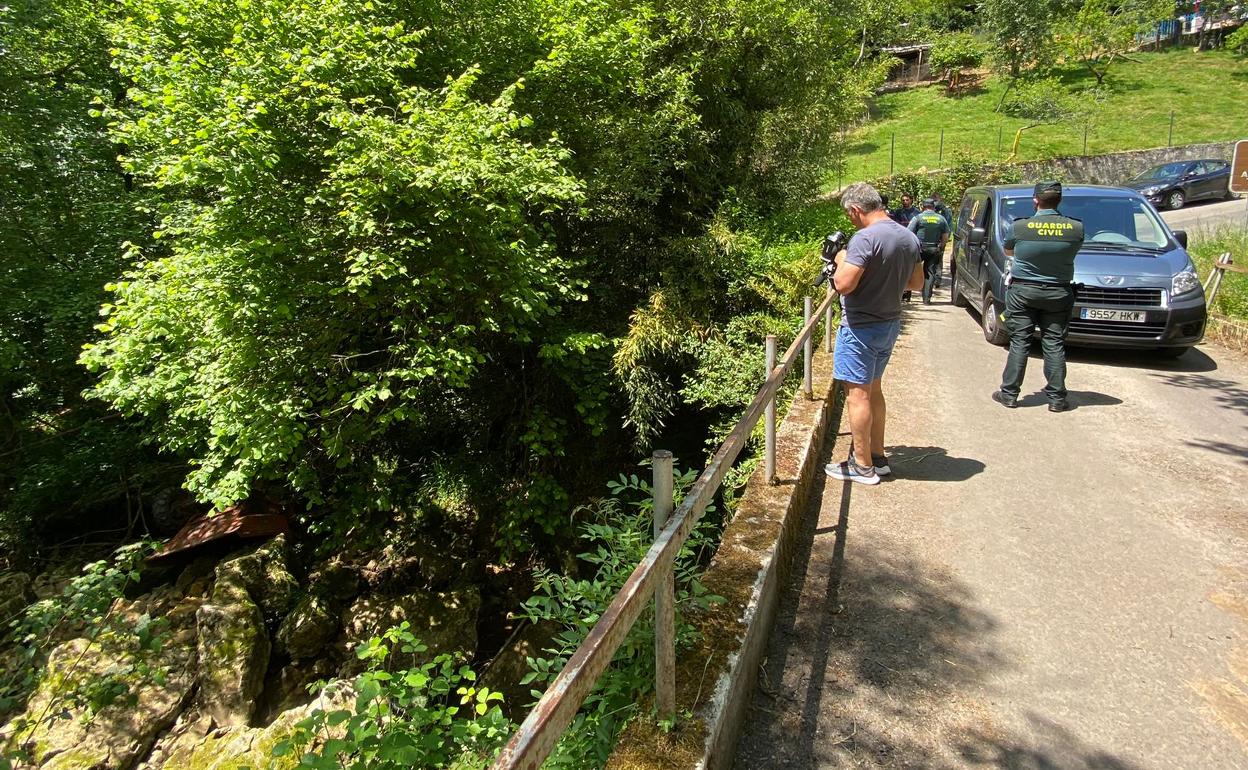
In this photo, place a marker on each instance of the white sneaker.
(851, 471)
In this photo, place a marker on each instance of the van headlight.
(1185, 282)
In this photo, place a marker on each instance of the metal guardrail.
(537, 735)
(1223, 265)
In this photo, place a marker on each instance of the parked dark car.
(1136, 286)
(1171, 185)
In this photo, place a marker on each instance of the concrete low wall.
(715, 681)
(1115, 167)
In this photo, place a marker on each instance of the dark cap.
(1048, 186)
(929, 203)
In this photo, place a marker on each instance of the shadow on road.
(1221, 447)
(1074, 399)
(1194, 360)
(930, 463)
(870, 655)
(1226, 393)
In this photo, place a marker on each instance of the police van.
(1136, 286)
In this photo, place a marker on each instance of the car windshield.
(1164, 171)
(1109, 220)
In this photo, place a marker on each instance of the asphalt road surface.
(1202, 216)
(1030, 590)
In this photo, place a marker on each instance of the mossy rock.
(233, 654)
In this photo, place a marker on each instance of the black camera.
(831, 245)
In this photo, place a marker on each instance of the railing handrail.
(537, 735)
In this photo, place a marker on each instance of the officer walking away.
(933, 232)
(942, 209)
(1041, 293)
(881, 260)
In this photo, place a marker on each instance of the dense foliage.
(65, 209)
(411, 243)
(1020, 34)
(616, 534)
(954, 52)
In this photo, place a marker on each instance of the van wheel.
(990, 320)
(955, 289)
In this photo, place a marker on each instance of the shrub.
(954, 52)
(422, 717)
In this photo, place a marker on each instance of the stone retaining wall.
(1115, 167)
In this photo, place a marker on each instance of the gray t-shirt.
(887, 253)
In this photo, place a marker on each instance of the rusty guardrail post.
(808, 350)
(664, 595)
(769, 418)
(827, 323)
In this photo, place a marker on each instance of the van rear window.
(1110, 220)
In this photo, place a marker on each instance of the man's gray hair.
(862, 196)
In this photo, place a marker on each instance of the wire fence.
(933, 147)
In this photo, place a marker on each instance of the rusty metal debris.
(251, 520)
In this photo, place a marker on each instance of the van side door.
(978, 254)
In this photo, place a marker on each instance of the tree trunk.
(1004, 94)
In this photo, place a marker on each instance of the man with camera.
(1041, 293)
(880, 262)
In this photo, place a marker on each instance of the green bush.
(424, 716)
(954, 52)
(86, 608)
(1237, 41)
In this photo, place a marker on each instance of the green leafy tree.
(1020, 33)
(334, 244)
(65, 209)
(1100, 32)
(378, 224)
(955, 52)
(1046, 101)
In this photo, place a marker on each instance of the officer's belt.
(1048, 284)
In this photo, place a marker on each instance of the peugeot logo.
(1110, 280)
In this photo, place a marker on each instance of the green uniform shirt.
(930, 227)
(1045, 247)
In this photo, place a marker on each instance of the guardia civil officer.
(933, 232)
(1041, 293)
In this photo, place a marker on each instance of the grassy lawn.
(1206, 90)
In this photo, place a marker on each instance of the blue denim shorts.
(862, 352)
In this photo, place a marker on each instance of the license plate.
(1125, 316)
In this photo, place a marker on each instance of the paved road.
(1031, 590)
(1201, 216)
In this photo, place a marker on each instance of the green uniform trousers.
(1028, 306)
